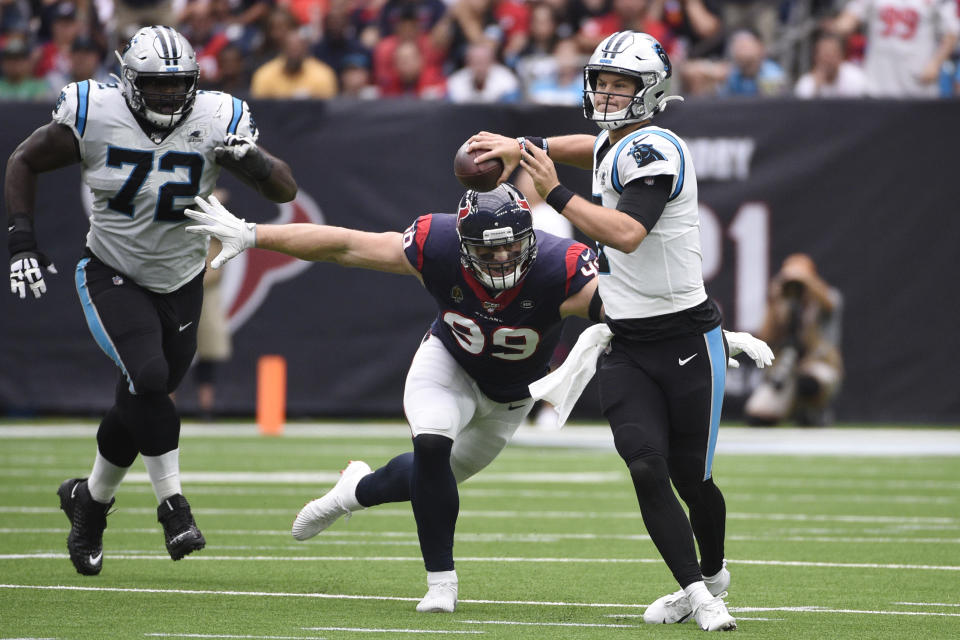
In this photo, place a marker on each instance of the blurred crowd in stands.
(495, 50)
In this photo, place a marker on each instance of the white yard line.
(550, 624)
(228, 635)
(794, 609)
(733, 440)
(513, 560)
(370, 630)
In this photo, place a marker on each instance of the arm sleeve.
(415, 240)
(644, 199)
(581, 264)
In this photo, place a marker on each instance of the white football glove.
(235, 234)
(235, 146)
(755, 348)
(26, 272)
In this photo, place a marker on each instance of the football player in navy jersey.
(146, 145)
(502, 290)
(662, 376)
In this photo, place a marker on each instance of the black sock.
(389, 483)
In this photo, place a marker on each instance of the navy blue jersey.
(504, 341)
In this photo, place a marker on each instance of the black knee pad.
(151, 377)
(649, 474)
(432, 448)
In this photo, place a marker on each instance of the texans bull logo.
(247, 278)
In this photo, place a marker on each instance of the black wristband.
(538, 141)
(558, 197)
(21, 238)
(595, 305)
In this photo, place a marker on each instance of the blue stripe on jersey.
(83, 101)
(662, 134)
(718, 366)
(94, 322)
(237, 112)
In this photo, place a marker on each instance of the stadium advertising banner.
(868, 189)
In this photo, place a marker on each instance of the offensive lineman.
(144, 145)
(662, 378)
(502, 290)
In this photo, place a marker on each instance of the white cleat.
(341, 500)
(675, 607)
(441, 593)
(712, 615)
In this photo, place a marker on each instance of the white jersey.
(664, 274)
(141, 185)
(902, 37)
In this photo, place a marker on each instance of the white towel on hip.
(563, 387)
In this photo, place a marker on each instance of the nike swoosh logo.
(684, 361)
(184, 326)
(73, 492)
(95, 559)
(519, 406)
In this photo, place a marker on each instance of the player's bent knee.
(151, 377)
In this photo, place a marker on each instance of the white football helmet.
(638, 56)
(159, 72)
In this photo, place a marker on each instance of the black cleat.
(179, 529)
(88, 519)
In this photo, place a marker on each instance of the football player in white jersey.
(146, 145)
(662, 376)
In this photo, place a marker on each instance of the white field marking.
(640, 615)
(513, 560)
(321, 596)
(816, 609)
(550, 624)
(565, 515)
(734, 440)
(929, 604)
(226, 635)
(330, 596)
(367, 630)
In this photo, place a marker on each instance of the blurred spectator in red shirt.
(410, 76)
(428, 13)
(55, 55)
(502, 22)
(407, 29)
(633, 15)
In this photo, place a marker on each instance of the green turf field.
(550, 544)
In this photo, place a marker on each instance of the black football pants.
(151, 337)
(663, 401)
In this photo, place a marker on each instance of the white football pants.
(440, 398)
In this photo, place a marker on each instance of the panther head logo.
(645, 153)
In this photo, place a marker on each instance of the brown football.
(481, 176)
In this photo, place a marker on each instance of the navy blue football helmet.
(497, 241)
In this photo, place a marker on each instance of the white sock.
(697, 594)
(105, 479)
(164, 472)
(436, 577)
(711, 581)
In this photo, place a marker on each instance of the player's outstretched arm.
(50, 147)
(257, 167)
(314, 242)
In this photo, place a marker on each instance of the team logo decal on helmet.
(497, 241)
(640, 57)
(158, 73)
